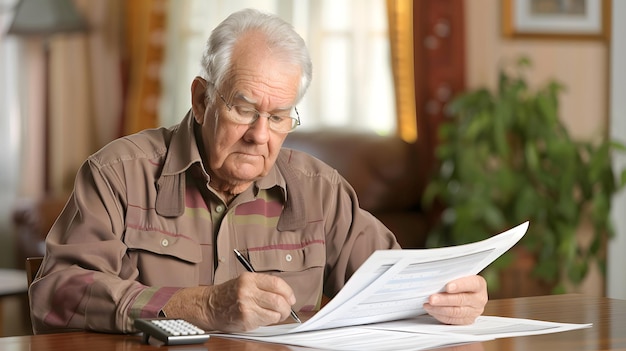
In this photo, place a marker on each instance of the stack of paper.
(380, 307)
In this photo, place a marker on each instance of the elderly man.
(154, 217)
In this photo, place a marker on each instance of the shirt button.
(222, 260)
(164, 242)
(219, 208)
(288, 258)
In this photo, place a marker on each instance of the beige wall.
(581, 66)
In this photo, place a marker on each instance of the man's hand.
(245, 303)
(462, 301)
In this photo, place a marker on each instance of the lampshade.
(45, 17)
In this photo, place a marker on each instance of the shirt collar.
(273, 178)
(183, 149)
(182, 152)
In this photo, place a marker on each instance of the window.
(352, 82)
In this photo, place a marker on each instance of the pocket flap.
(163, 244)
(288, 260)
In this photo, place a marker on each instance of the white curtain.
(86, 90)
(352, 83)
(12, 81)
(85, 98)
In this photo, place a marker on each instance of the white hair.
(281, 38)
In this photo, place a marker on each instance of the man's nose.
(259, 130)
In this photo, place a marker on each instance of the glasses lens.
(282, 124)
(246, 115)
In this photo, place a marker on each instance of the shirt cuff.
(149, 303)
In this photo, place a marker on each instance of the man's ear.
(198, 99)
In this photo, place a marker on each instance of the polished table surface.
(607, 315)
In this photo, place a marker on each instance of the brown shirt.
(142, 222)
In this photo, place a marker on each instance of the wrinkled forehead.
(267, 84)
(254, 60)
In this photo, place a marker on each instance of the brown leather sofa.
(384, 171)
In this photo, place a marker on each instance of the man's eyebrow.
(254, 102)
(245, 98)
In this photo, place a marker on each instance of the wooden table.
(607, 315)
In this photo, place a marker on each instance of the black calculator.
(171, 331)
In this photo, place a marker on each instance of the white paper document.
(423, 332)
(380, 307)
(394, 284)
(485, 326)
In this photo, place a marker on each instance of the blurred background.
(74, 75)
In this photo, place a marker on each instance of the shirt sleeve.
(352, 235)
(86, 280)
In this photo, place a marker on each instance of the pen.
(249, 268)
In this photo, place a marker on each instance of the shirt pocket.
(302, 268)
(163, 244)
(287, 259)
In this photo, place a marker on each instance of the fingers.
(250, 301)
(454, 314)
(467, 284)
(462, 301)
(275, 286)
(270, 296)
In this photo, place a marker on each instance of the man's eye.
(247, 112)
(277, 119)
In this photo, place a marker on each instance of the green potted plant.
(505, 157)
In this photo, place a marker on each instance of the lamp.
(44, 18)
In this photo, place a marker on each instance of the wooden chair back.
(32, 267)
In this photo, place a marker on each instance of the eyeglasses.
(246, 115)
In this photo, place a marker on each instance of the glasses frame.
(258, 114)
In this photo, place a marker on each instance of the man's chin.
(246, 173)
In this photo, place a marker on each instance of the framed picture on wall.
(556, 19)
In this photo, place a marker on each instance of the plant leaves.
(506, 157)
